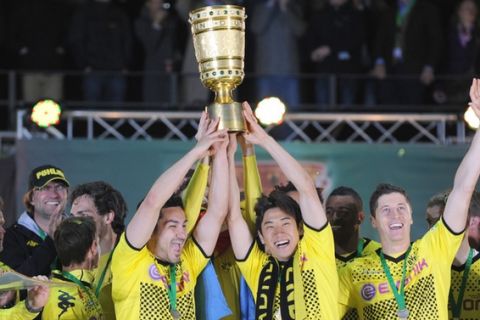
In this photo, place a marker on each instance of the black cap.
(41, 176)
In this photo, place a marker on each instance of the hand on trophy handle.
(255, 133)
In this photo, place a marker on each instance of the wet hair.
(383, 189)
(276, 199)
(73, 238)
(105, 199)
(347, 191)
(290, 187)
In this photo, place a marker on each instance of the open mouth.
(396, 226)
(53, 203)
(281, 243)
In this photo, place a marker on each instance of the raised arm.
(195, 190)
(456, 208)
(240, 234)
(251, 181)
(208, 227)
(310, 205)
(145, 219)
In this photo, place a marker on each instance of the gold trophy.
(219, 42)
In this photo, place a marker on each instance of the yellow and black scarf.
(276, 273)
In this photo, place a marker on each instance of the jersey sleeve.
(251, 267)
(320, 243)
(194, 257)
(193, 195)
(253, 189)
(126, 259)
(442, 241)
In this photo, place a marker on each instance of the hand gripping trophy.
(219, 42)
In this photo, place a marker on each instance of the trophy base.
(231, 116)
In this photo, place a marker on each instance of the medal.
(175, 314)
(403, 314)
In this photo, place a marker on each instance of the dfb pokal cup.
(219, 42)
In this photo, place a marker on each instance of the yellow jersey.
(342, 260)
(105, 292)
(19, 311)
(139, 287)
(471, 297)
(364, 285)
(72, 302)
(319, 281)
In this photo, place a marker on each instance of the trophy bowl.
(219, 42)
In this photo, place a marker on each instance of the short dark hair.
(382, 189)
(347, 191)
(73, 238)
(289, 187)
(174, 201)
(439, 199)
(276, 199)
(106, 199)
(2, 204)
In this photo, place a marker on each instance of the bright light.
(471, 118)
(270, 111)
(46, 113)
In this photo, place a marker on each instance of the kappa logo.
(368, 291)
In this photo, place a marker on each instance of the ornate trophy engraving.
(219, 42)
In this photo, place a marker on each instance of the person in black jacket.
(337, 37)
(28, 244)
(161, 33)
(408, 45)
(101, 44)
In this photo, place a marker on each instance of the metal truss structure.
(307, 127)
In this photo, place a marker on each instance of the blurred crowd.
(315, 55)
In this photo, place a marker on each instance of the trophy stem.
(223, 93)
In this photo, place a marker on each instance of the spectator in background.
(101, 42)
(162, 34)
(28, 246)
(462, 55)
(337, 37)
(36, 298)
(408, 45)
(38, 45)
(276, 26)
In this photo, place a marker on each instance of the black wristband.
(30, 308)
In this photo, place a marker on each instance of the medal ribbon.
(361, 244)
(398, 294)
(102, 276)
(171, 288)
(78, 282)
(457, 306)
